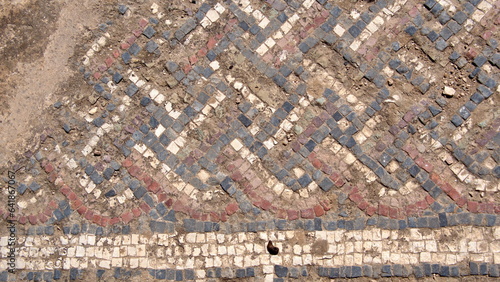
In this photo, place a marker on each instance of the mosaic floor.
(361, 138)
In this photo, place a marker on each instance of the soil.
(41, 37)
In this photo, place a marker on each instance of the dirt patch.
(320, 247)
(26, 30)
(41, 37)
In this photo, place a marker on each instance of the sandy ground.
(41, 37)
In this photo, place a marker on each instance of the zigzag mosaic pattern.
(312, 153)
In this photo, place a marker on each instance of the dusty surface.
(40, 38)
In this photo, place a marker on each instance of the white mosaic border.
(450, 245)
